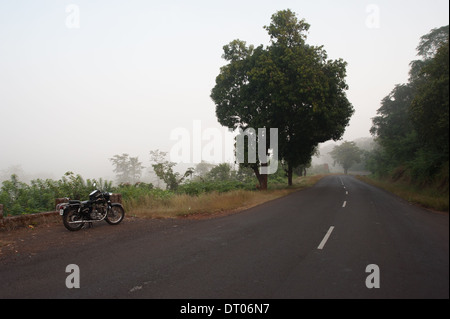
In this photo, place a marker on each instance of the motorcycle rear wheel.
(71, 216)
(115, 215)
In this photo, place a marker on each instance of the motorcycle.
(75, 213)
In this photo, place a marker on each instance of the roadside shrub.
(195, 188)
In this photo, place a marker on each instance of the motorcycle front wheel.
(70, 218)
(115, 215)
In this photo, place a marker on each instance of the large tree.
(288, 85)
(412, 124)
(430, 107)
(394, 129)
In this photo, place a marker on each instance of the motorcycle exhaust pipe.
(88, 221)
(85, 221)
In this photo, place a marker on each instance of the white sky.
(70, 98)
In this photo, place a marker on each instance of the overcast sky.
(81, 81)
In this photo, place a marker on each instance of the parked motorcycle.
(75, 214)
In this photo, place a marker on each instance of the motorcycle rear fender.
(78, 205)
(67, 207)
(64, 207)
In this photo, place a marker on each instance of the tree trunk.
(262, 178)
(263, 182)
(290, 172)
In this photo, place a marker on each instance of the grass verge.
(212, 203)
(430, 197)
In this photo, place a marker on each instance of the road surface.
(341, 238)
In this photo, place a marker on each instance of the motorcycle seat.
(74, 201)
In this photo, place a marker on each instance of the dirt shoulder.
(28, 241)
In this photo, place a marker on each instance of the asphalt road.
(316, 243)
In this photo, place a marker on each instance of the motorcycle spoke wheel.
(115, 215)
(69, 218)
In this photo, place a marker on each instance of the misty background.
(82, 81)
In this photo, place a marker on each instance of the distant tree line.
(203, 177)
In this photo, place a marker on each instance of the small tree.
(221, 172)
(164, 170)
(127, 169)
(12, 196)
(346, 155)
(202, 169)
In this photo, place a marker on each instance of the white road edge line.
(324, 240)
(345, 204)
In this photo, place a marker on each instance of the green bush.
(199, 187)
(20, 198)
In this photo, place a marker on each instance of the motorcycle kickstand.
(88, 225)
